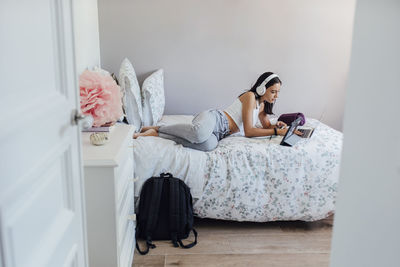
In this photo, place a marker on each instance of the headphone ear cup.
(260, 90)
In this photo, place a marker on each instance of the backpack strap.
(166, 175)
(189, 206)
(191, 244)
(148, 246)
(189, 212)
(153, 214)
(174, 210)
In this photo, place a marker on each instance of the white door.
(41, 193)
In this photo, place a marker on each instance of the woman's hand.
(281, 124)
(298, 132)
(284, 130)
(281, 131)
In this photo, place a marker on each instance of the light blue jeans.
(206, 129)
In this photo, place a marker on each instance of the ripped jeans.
(206, 129)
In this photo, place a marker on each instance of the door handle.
(79, 119)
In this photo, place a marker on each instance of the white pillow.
(153, 98)
(101, 71)
(131, 95)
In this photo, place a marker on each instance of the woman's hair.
(267, 106)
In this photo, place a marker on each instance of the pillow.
(101, 71)
(153, 98)
(288, 118)
(131, 97)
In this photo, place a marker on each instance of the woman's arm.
(266, 123)
(248, 104)
(263, 117)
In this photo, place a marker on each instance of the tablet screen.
(291, 129)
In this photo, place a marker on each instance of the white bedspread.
(155, 155)
(249, 179)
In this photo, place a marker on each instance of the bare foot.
(144, 129)
(150, 132)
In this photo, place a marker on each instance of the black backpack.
(165, 212)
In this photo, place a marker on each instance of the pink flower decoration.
(100, 97)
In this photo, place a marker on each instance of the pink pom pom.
(100, 97)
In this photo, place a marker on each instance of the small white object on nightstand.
(98, 139)
(109, 195)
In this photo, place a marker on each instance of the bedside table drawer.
(126, 163)
(127, 209)
(128, 246)
(124, 176)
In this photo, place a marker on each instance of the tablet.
(290, 137)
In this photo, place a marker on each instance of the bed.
(250, 179)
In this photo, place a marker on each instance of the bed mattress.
(250, 179)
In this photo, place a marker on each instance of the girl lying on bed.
(210, 126)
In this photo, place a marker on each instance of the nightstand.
(109, 195)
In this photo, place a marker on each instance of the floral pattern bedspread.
(249, 179)
(252, 179)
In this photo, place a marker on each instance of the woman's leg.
(146, 128)
(208, 145)
(197, 132)
(150, 132)
(147, 131)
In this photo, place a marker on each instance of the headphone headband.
(261, 88)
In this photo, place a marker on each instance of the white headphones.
(261, 89)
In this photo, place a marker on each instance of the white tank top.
(235, 111)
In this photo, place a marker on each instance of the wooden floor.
(223, 243)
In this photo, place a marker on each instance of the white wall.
(212, 50)
(86, 28)
(366, 230)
